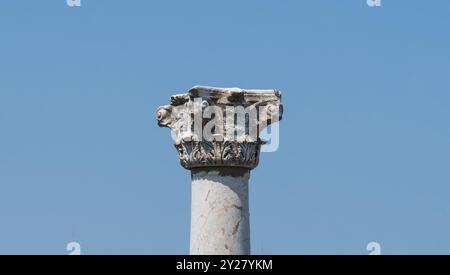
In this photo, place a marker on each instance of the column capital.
(219, 127)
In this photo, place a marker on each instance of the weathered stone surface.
(220, 126)
(220, 213)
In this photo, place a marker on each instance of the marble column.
(216, 133)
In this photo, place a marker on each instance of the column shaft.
(220, 212)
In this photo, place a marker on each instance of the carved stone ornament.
(219, 127)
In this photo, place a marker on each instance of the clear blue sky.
(365, 141)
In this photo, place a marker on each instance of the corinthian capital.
(219, 127)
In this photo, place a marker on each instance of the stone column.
(216, 133)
